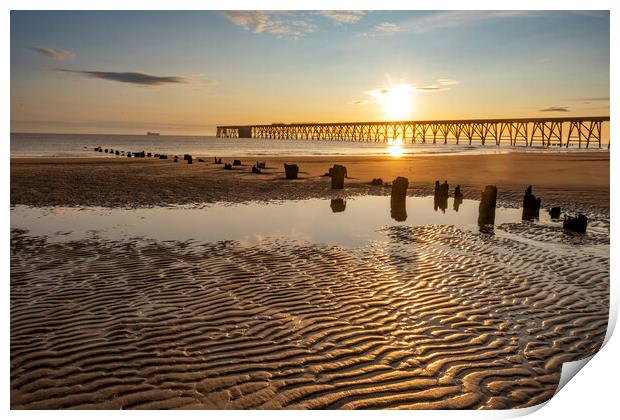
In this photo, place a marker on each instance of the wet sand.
(429, 317)
(567, 178)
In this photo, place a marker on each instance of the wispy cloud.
(442, 20)
(593, 99)
(57, 54)
(280, 24)
(377, 94)
(343, 16)
(134, 78)
(555, 109)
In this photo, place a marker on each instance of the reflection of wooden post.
(486, 210)
(338, 173)
(338, 205)
(398, 199)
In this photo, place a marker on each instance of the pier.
(545, 132)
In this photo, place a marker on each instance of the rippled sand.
(432, 317)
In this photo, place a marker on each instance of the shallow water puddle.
(347, 222)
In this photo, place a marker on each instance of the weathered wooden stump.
(399, 188)
(291, 171)
(338, 205)
(338, 174)
(486, 210)
(186, 157)
(555, 212)
(577, 224)
(190, 160)
(531, 205)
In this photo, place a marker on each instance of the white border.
(592, 394)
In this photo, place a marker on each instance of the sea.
(83, 145)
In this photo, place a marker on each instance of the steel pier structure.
(521, 131)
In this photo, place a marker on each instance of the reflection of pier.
(523, 131)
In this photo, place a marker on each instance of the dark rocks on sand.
(338, 173)
(338, 205)
(117, 153)
(236, 162)
(148, 154)
(261, 165)
(228, 166)
(577, 224)
(200, 160)
(531, 205)
(377, 182)
(128, 154)
(555, 212)
(255, 170)
(105, 150)
(291, 171)
(156, 155)
(186, 157)
(176, 159)
(486, 210)
(189, 159)
(163, 156)
(217, 161)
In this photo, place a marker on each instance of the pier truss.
(545, 132)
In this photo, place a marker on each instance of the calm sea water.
(82, 145)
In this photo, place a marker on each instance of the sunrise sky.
(185, 72)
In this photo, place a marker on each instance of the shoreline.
(137, 182)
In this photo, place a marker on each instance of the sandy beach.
(128, 182)
(428, 317)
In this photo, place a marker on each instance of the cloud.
(54, 53)
(387, 28)
(343, 16)
(275, 23)
(443, 20)
(448, 82)
(594, 99)
(377, 94)
(555, 109)
(134, 78)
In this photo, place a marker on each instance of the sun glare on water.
(395, 148)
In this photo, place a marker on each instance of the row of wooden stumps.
(531, 210)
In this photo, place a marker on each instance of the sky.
(186, 72)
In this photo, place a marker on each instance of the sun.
(397, 102)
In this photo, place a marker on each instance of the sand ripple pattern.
(433, 317)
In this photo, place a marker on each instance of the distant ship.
(151, 133)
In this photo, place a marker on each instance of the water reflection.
(338, 205)
(398, 209)
(306, 220)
